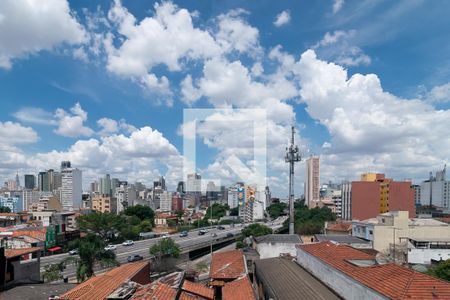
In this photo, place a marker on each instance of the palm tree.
(91, 253)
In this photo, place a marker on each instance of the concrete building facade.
(312, 181)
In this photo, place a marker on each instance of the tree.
(310, 221)
(218, 211)
(52, 272)
(5, 209)
(256, 229)
(140, 211)
(234, 211)
(276, 209)
(91, 252)
(166, 251)
(105, 225)
(442, 270)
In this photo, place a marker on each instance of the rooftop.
(10, 253)
(390, 280)
(341, 239)
(227, 265)
(100, 286)
(285, 279)
(278, 238)
(198, 289)
(156, 290)
(342, 227)
(239, 289)
(36, 291)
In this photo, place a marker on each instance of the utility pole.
(292, 156)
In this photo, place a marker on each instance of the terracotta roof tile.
(36, 233)
(391, 280)
(189, 296)
(344, 227)
(155, 291)
(99, 287)
(198, 289)
(227, 265)
(240, 289)
(10, 253)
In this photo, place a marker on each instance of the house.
(426, 250)
(9, 219)
(397, 226)
(125, 277)
(273, 245)
(338, 228)
(162, 220)
(354, 274)
(283, 279)
(19, 266)
(239, 289)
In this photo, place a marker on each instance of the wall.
(343, 285)
(26, 272)
(268, 250)
(424, 256)
(365, 200)
(401, 197)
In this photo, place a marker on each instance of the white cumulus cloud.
(72, 124)
(282, 18)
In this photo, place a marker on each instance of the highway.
(142, 247)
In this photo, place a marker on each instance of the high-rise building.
(71, 189)
(312, 181)
(194, 189)
(43, 183)
(65, 165)
(17, 181)
(105, 185)
(375, 194)
(94, 187)
(165, 201)
(346, 207)
(14, 203)
(177, 202)
(440, 191)
(181, 188)
(11, 185)
(30, 181)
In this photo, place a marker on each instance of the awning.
(54, 249)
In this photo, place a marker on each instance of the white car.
(165, 236)
(110, 248)
(128, 243)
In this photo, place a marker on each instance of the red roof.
(10, 253)
(198, 289)
(227, 265)
(101, 286)
(156, 290)
(391, 280)
(36, 233)
(343, 227)
(189, 296)
(240, 289)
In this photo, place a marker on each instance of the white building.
(165, 201)
(425, 250)
(71, 189)
(346, 201)
(274, 245)
(440, 191)
(312, 181)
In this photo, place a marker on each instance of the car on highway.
(134, 257)
(110, 247)
(165, 236)
(73, 252)
(128, 243)
(202, 232)
(214, 234)
(184, 234)
(229, 235)
(221, 227)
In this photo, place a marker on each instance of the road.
(142, 247)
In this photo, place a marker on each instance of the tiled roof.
(189, 296)
(239, 289)
(10, 253)
(339, 227)
(278, 238)
(155, 291)
(391, 280)
(8, 215)
(283, 279)
(198, 289)
(100, 286)
(227, 265)
(34, 233)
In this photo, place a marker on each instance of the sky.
(105, 84)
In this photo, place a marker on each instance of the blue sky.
(104, 84)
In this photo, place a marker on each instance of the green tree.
(91, 252)
(146, 226)
(166, 252)
(217, 211)
(234, 211)
(310, 221)
(5, 209)
(165, 248)
(141, 211)
(276, 209)
(256, 229)
(442, 270)
(52, 272)
(105, 225)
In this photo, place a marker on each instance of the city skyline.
(348, 76)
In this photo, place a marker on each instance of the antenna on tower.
(292, 156)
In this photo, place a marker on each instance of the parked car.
(128, 243)
(229, 235)
(134, 257)
(184, 234)
(73, 252)
(110, 247)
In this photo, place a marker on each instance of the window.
(370, 232)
